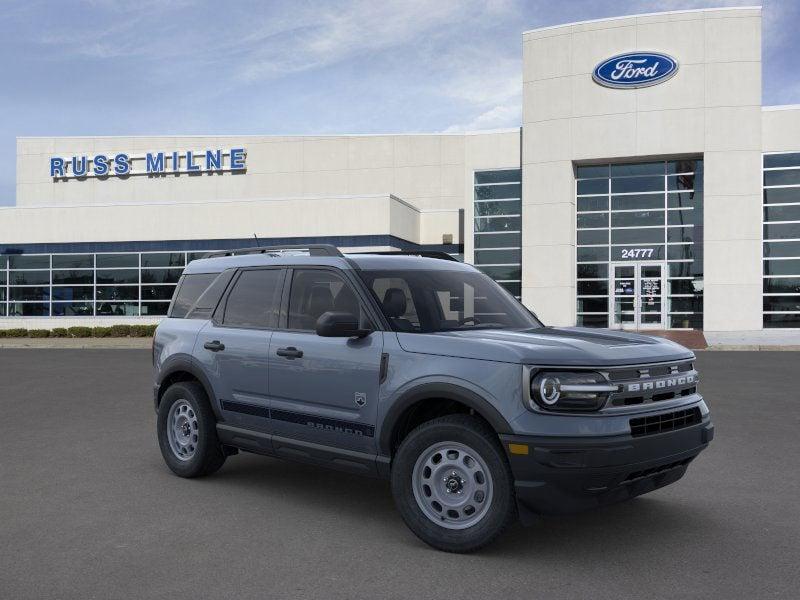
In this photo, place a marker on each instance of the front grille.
(662, 423)
(652, 383)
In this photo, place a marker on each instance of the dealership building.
(646, 188)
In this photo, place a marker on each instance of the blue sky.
(153, 67)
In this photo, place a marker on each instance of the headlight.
(569, 390)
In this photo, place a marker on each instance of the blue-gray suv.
(424, 371)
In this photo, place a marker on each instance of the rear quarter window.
(190, 288)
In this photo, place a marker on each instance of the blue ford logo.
(635, 70)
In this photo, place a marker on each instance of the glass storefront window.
(497, 224)
(655, 213)
(781, 287)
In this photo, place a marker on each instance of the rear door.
(233, 347)
(324, 390)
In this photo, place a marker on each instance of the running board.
(277, 446)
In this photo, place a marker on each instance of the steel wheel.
(452, 485)
(182, 430)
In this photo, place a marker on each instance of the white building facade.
(647, 188)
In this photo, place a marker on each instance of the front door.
(636, 299)
(323, 390)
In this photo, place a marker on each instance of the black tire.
(208, 455)
(477, 435)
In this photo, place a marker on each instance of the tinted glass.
(498, 240)
(29, 293)
(70, 292)
(593, 220)
(782, 285)
(683, 182)
(782, 249)
(117, 309)
(502, 273)
(500, 176)
(73, 309)
(446, 301)
(593, 288)
(117, 260)
(118, 276)
(593, 305)
(787, 320)
(684, 217)
(489, 192)
(497, 257)
(154, 309)
(782, 195)
(191, 288)
(592, 254)
(782, 303)
(655, 168)
(593, 186)
(498, 224)
(124, 292)
(24, 261)
(255, 298)
(163, 259)
(588, 171)
(782, 267)
(639, 218)
(637, 202)
(29, 277)
(73, 277)
(28, 309)
(782, 160)
(592, 321)
(789, 177)
(315, 292)
(589, 271)
(588, 237)
(157, 292)
(637, 236)
(483, 209)
(597, 203)
(73, 261)
(782, 231)
(637, 184)
(161, 275)
(782, 213)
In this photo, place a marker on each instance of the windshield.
(419, 301)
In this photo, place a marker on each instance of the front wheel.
(187, 433)
(452, 484)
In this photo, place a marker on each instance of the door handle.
(215, 346)
(290, 352)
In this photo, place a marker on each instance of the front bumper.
(569, 474)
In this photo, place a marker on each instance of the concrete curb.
(77, 343)
(754, 348)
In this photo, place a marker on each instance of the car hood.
(547, 346)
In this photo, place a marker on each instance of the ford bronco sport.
(424, 371)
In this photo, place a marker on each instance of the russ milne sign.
(635, 70)
(151, 163)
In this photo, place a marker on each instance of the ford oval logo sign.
(635, 70)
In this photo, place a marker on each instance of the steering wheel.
(465, 320)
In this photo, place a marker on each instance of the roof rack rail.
(423, 253)
(312, 249)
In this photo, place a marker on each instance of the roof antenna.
(256, 238)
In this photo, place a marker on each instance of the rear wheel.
(187, 433)
(452, 484)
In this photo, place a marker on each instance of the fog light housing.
(570, 390)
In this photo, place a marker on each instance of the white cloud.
(497, 117)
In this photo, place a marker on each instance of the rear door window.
(254, 301)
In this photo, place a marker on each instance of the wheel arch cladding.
(415, 398)
(179, 370)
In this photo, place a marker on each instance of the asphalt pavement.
(88, 509)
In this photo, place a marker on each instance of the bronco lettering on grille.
(660, 384)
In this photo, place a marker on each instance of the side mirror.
(340, 324)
